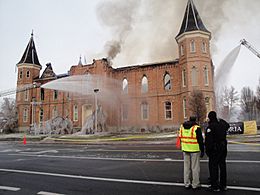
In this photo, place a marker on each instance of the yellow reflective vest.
(188, 138)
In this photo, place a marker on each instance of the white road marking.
(41, 152)
(128, 159)
(48, 193)
(9, 188)
(118, 180)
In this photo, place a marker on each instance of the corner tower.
(28, 69)
(195, 61)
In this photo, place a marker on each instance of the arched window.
(21, 74)
(182, 50)
(168, 110)
(144, 111)
(192, 46)
(144, 88)
(184, 106)
(194, 76)
(27, 73)
(125, 86)
(206, 76)
(25, 115)
(184, 78)
(55, 95)
(41, 115)
(204, 47)
(167, 82)
(75, 113)
(42, 93)
(54, 112)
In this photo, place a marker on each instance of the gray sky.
(142, 31)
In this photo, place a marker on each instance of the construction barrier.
(250, 127)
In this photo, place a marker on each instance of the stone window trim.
(28, 74)
(167, 84)
(192, 46)
(144, 110)
(125, 85)
(204, 47)
(206, 75)
(75, 113)
(184, 78)
(168, 110)
(25, 114)
(144, 84)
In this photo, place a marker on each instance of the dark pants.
(217, 167)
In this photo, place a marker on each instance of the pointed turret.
(191, 20)
(30, 54)
(80, 62)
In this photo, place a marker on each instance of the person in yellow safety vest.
(192, 146)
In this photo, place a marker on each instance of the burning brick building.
(146, 96)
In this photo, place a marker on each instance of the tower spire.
(191, 21)
(30, 54)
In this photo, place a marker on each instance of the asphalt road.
(129, 169)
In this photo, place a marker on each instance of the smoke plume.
(144, 30)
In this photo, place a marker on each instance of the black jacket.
(188, 125)
(215, 136)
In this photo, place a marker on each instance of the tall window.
(27, 73)
(26, 95)
(204, 47)
(42, 93)
(167, 82)
(144, 88)
(182, 50)
(20, 74)
(25, 115)
(54, 112)
(144, 111)
(124, 112)
(168, 110)
(184, 78)
(41, 115)
(206, 75)
(194, 76)
(192, 46)
(184, 105)
(55, 95)
(125, 86)
(75, 113)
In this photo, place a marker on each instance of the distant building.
(157, 94)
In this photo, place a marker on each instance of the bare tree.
(8, 116)
(197, 105)
(230, 99)
(248, 101)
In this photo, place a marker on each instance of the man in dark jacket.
(216, 150)
(193, 148)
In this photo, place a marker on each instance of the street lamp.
(95, 93)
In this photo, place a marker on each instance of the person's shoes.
(197, 188)
(223, 188)
(213, 189)
(187, 187)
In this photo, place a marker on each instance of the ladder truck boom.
(250, 47)
(18, 89)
